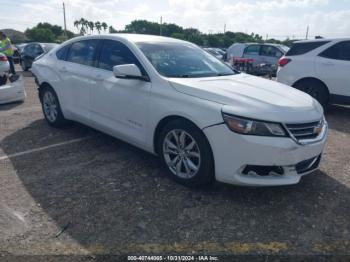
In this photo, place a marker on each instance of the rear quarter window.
(303, 48)
(339, 51)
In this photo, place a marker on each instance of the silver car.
(260, 53)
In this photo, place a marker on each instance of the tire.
(24, 66)
(315, 89)
(3, 80)
(194, 164)
(51, 108)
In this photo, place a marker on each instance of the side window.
(272, 51)
(304, 47)
(29, 49)
(339, 51)
(38, 50)
(83, 52)
(252, 50)
(115, 53)
(61, 54)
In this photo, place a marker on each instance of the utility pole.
(224, 28)
(160, 26)
(64, 19)
(307, 32)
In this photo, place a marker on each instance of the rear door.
(76, 78)
(333, 68)
(270, 54)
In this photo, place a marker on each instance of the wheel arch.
(312, 79)
(41, 88)
(164, 121)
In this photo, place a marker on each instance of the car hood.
(253, 97)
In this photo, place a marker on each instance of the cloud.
(277, 18)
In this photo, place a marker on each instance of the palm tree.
(98, 26)
(76, 24)
(91, 26)
(112, 30)
(83, 24)
(86, 25)
(104, 26)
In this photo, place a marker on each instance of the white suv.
(320, 68)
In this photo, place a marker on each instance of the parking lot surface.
(76, 191)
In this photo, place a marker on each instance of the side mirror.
(129, 71)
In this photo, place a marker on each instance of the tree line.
(45, 32)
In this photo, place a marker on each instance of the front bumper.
(233, 153)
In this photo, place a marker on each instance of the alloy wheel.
(181, 153)
(50, 106)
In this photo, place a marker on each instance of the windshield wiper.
(228, 74)
(180, 76)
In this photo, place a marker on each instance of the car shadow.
(115, 197)
(9, 106)
(338, 118)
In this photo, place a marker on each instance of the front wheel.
(186, 153)
(51, 108)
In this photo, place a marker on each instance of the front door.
(119, 105)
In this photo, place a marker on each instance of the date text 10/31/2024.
(173, 258)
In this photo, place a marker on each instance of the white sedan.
(169, 97)
(9, 92)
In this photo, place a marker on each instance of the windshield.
(183, 60)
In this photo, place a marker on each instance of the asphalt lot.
(111, 198)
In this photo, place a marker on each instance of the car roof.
(322, 40)
(135, 38)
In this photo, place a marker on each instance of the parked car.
(320, 68)
(259, 53)
(214, 52)
(32, 51)
(9, 91)
(20, 47)
(171, 98)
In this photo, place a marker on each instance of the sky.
(275, 18)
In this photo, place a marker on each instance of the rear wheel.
(51, 108)
(24, 65)
(186, 153)
(315, 89)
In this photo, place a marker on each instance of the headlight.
(247, 126)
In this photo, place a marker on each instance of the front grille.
(305, 130)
